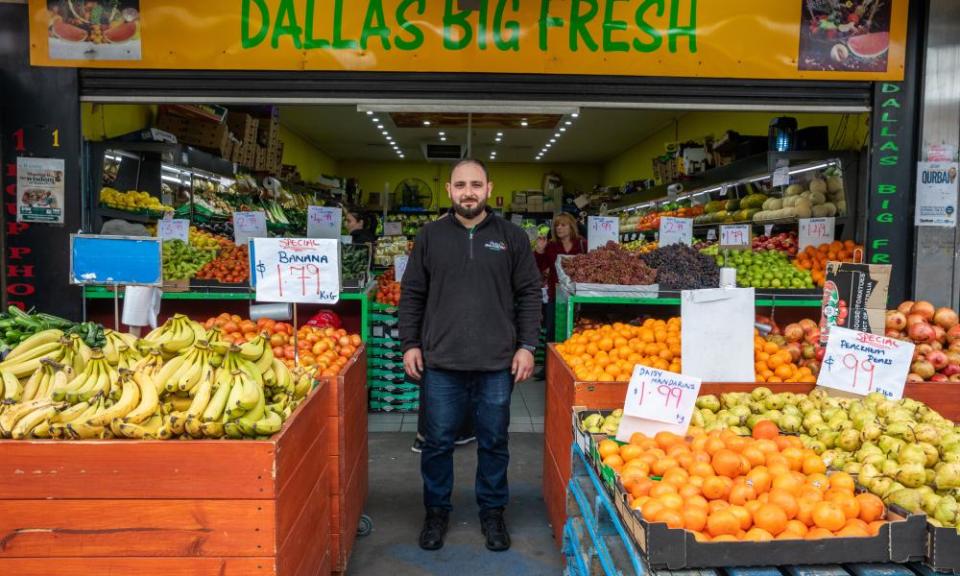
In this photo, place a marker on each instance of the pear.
(933, 455)
(818, 447)
(774, 402)
(890, 446)
(849, 440)
(930, 501)
(760, 393)
(893, 487)
(790, 423)
(806, 406)
(912, 475)
(830, 412)
(890, 468)
(881, 486)
(595, 430)
(792, 410)
(947, 476)
(909, 500)
(710, 402)
(852, 468)
(953, 456)
(696, 419)
(729, 419)
(869, 473)
(816, 429)
(592, 420)
(946, 511)
(773, 416)
(618, 413)
(871, 431)
(927, 433)
(910, 404)
(708, 416)
(912, 453)
(874, 459)
(931, 477)
(812, 419)
(829, 438)
(742, 411)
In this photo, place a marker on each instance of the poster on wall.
(936, 194)
(852, 36)
(98, 30)
(40, 190)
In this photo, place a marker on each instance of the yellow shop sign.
(786, 39)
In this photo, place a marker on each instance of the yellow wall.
(637, 162)
(506, 177)
(310, 161)
(103, 121)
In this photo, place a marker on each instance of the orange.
(672, 518)
(666, 439)
(740, 494)
(818, 533)
(797, 527)
(613, 461)
(722, 523)
(829, 516)
(726, 463)
(660, 467)
(717, 505)
(758, 535)
(849, 504)
(671, 501)
(638, 503)
(818, 481)
(785, 501)
(630, 452)
(813, 465)
(853, 531)
(694, 519)
(607, 447)
(641, 487)
(725, 538)
(771, 518)
(789, 535)
(714, 445)
(787, 482)
(650, 509)
(871, 507)
(737, 443)
(743, 515)
(874, 527)
(715, 488)
(700, 536)
(696, 501)
(637, 438)
(760, 478)
(753, 505)
(631, 475)
(702, 469)
(805, 511)
(688, 491)
(794, 457)
(766, 445)
(754, 456)
(842, 481)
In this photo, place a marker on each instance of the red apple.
(951, 369)
(953, 334)
(915, 319)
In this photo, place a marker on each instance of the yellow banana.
(80, 429)
(12, 414)
(26, 424)
(212, 429)
(254, 349)
(39, 339)
(127, 402)
(203, 394)
(269, 424)
(12, 389)
(146, 430)
(247, 421)
(25, 368)
(32, 386)
(149, 400)
(218, 400)
(70, 413)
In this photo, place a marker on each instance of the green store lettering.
(888, 156)
(609, 26)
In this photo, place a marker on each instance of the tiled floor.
(526, 412)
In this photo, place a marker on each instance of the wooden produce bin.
(348, 458)
(184, 508)
(564, 392)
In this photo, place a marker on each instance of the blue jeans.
(449, 395)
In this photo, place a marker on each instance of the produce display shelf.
(103, 293)
(595, 541)
(128, 216)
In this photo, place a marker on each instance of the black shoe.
(462, 440)
(434, 528)
(494, 528)
(417, 445)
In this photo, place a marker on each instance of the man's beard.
(470, 213)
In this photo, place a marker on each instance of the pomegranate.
(945, 317)
(923, 369)
(953, 357)
(955, 378)
(795, 352)
(896, 320)
(894, 334)
(951, 369)
(808, 325)
(939, 378)
(938, 360)
(953, 334)
(921, 332)
(911, 377)
(914, 319)
(923, 308)
(923, 350)
(905, 306)
(793, 332)
(808, 350)
(939, 334)
(955, 346)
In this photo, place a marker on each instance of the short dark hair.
(465, 161)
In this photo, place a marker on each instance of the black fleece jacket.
(470, 298)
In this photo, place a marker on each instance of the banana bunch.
(117, 343)
(76, 353)
(96, 378)
(183, 372)
(26, 358)
(175, 335)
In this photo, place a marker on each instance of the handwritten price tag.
(676, 231)
(173, 229)
(861, 363)
(735, 236)
(393, 229)
(661, 396)
(602, 229)
(302, 270)
(816, 231)
(247, 225)
(400, 266)
(323, 222)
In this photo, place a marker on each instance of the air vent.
(442, 152)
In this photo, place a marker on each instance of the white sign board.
(735, 236)
(393, 229)
(602, 229)
(323, 222)
(718, 315)
(936, 194)
(299, 270)
(40, 196)
(861, 363)
(675, 231)
(173, 229)
(247, 225)
(781, 176)
(400, 266)
(661, 396)
(816, 231)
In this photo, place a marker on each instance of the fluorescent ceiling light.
(438, 107)
(562, 129)
(568, 122)
(524, 123)
(443, 138)
(369, 112)
(426, 122)
(552, 140)
(576, 114)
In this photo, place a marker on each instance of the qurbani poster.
(40, 190)
(936, 194)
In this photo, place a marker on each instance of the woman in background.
(362, 226)
(565, 239)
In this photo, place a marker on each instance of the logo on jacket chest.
(496, 246)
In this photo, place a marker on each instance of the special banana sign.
(797, 39)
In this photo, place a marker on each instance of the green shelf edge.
(104, 294)
(763, 301)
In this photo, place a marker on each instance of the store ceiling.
(595, 137)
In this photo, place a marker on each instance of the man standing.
(469, 323)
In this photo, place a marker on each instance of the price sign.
(781, 176)
(602, 229)
(393, 229)
(676, 231)
(303, 270)
(768, 229)
(247, 225)
(816, 231)
(735, 236)
(346, 239)
(400, 266)
(661, 396)
(712, 234)
(173, 229)
(323, 222)
(861, 363)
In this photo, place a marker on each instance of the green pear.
(912, 453)
(947, 476)
(927, 433)
(790, 423)
(806, 406)
(871, 431)
(933, 455)
(818, 447)
(912, 475)
(812, 419)
(852, 468)
(946, 511)
(829, 438)
(710, 402)
(849, 440)
(930, 501)
(909, 500)
(760, 393)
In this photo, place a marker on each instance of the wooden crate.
(189, 508)
(563, 392)
(348, 461)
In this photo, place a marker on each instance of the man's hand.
(413, 363)
(522, 365)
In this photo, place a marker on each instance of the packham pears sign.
(808, 39)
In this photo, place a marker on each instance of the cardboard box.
(211, 136)
(861, 290)
(243, 126)
(902, 540)
(943, 549)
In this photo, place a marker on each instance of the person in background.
(361, 225)
(565, 239)
(469, 321)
